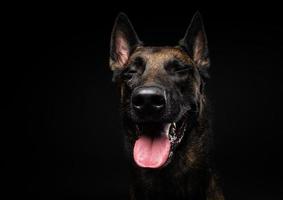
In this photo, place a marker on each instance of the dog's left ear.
(123, 41)
(195, 43)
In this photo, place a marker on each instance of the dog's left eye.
(177, 67)
(182, 68)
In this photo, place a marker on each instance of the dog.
(165, 113)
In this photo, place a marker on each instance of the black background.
(65, 108)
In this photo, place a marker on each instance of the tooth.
(166, 129)
(174, 125)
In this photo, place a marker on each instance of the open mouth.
(156, 142)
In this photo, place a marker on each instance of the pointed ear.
(123, 41)
(195, 42)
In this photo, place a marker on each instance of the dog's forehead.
(159, 55)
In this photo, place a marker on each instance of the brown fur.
(156, 58)
(190, 173)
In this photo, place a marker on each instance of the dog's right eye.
(139, 62)
(128, 74)
(137, 66)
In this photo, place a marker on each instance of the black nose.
(149, 99)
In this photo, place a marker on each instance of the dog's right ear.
(123, 41)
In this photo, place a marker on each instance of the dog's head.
(161, 89)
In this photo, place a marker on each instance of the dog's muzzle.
(149, 100)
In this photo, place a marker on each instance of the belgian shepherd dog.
(165, 113)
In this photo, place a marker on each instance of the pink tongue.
(151, 152)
